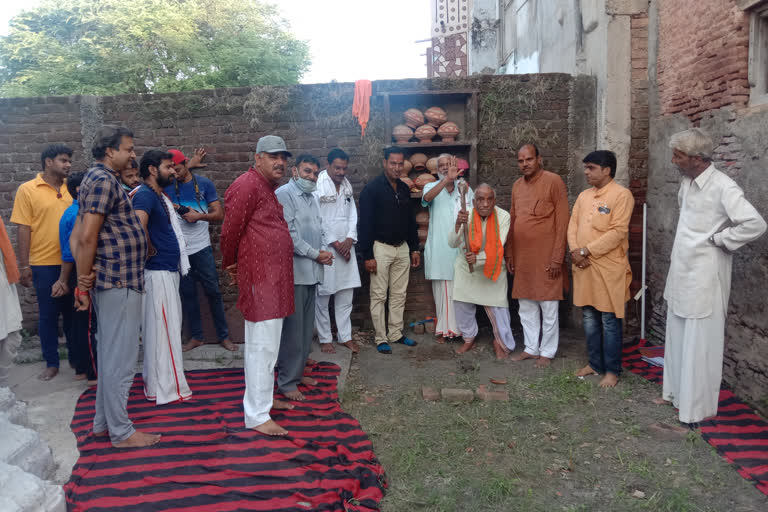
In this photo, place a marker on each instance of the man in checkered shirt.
(110, 249)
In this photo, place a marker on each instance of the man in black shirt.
(389, 243)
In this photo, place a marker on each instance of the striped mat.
(207, 461)
(739, 435)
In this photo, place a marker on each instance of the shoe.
(384, 348)
(408, 342)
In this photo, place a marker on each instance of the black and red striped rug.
(208, 461)
(739, 435)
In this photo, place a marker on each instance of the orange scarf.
(11, 267)
(494, 252)
(361, 107)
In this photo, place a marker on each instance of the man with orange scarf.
(485, 283)
(10, 311)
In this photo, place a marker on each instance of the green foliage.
(140, 46)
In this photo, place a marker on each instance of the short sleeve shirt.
(40, 206)
(160, 231)
(122, 245)
(195, 198)
(66, 225)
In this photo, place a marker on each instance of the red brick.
(430, 394)
(457, 395)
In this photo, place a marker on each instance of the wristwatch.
(582, 252)
(712, 240)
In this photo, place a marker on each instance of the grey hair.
(693, 142)
(485, 185)
(444, 155)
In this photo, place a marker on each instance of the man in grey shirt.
(302, 214)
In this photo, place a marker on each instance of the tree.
(140, 46)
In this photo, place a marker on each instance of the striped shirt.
(122, 247)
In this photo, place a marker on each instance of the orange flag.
(361, 108)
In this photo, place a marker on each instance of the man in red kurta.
(257, 251)
(535, 250)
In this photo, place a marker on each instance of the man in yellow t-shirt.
(37, 209)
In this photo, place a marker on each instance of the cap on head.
(178, 156)
(462, 164)
(272, 144)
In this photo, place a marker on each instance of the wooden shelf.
(447, 92)
(427, 145)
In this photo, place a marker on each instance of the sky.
(349, 39)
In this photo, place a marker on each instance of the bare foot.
(79, 376)
(327, 348)
(49, 373)
(609, 381)
(281, 405)
(311, 362)
(440, 340)
(294, 395)
(466, 347)
(543, 362)
(227, 344)
(270, 428)
(587, 370)
(192, 343)
(139, 439)
(103, 433)
(661, 401)
(308, 381)
(351, 345)
(522, 356)
(501, 354)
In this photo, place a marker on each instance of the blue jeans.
(43, 277)
(203, 270)
(604, 340)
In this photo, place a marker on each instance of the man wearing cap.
(257, 251)
(197, 202)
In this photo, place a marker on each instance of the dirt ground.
(560, 443)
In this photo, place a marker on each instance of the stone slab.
(24, 492)
(23, 447)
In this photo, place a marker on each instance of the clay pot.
(407, 166)
(422, 219)
(423, 179)
(448, 131)
(425, 133)
(413, 118)
(402, 133)
(432, 165)
(419, 161)
(435, 116)
(408, 182)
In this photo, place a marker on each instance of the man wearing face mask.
(129, 178)
(302, 214)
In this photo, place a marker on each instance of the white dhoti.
(499, 317)
(342, 309)
(693, 362)
(262, 344)
(442, 291)
(10, 324)
(545, 326)
(164, 379)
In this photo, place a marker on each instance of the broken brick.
(430, 394)
(457, 395)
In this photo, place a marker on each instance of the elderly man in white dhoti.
(163, 373)
(715, 220)
(485, 284)
(339, 213)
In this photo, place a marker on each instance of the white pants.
(693, 363)
(442, 291)
(262, 343)
(164, 379)
(499, 317)
(342, 307)
(533, 327)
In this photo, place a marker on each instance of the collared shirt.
(160, 230)
(66, 225)
(122, 246)
(600, 222)
(386, 216)
(536, 241)
(439, 257)
(254, 235)
(302, 214)
(712, 205)
(196, 194)
(40, 206)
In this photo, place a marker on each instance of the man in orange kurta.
(598, 239)
(535, 250)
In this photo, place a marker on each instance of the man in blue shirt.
(163, 373)
(197, 202)
(81, 326)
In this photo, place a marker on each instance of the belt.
(393, 244)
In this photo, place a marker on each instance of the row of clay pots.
(436, 124)
(435, 116)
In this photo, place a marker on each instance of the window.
(758, 50)
(508, 10)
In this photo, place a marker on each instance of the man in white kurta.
(10, 310)
(444, 202)
(715, 220)
(486, 284)
(337, 209)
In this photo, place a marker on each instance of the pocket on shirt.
(601, 221)
(542, 208)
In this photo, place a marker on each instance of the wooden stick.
(463, 190)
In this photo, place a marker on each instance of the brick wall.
(314, 119)
(703, 53)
